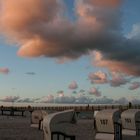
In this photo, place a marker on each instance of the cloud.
(73, 85)
(30, 73)
(98, 77)
(135, 85)
(135, 33)
(118, 79)
(10, 99)
(121, 101)
(48, 99)
(74, 92)
(4, 70)
(108, 3)
(60, 92)
(103, 100)
(82, 91)
(25, 100)
(135, 101)
(95, 92)
(39, 30)
(83, 100)
(114, 65)
(65, 99)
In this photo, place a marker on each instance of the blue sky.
(50, 77)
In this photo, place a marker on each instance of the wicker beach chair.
(37, 117)
(107, 125)
(53, 125)
(131, 122)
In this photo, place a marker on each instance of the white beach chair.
(107, 125)
(37, 117)
(131, 122)
(52, 125)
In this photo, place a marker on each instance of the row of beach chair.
(109, 124)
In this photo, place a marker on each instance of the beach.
(18, 128)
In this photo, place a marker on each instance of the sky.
(75, 50)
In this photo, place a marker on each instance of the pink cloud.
(118, 79)
(99, 60)
(135, 85)
(73, 85)
(98, 77)
(4, 70)
(43, 31)
(94, 91)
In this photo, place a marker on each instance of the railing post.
(117, 131)
(137, 128)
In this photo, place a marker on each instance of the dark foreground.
(18, 128)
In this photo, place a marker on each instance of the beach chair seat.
(107, 125)
(54, 122)
(131, 122)
(37, 117)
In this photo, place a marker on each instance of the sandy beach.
(18, 128)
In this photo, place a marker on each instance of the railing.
(61, 136)
(76, 108)
(11, 111)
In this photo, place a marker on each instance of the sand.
(18, 128)
(83, 129)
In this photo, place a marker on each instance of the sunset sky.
(69, 48)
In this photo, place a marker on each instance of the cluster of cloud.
(118, 79)
(4, 70)
(71, 100)
(10, 99)
(98, 77)
(114, 79)
(43, 31)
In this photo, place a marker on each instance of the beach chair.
(85, 115)
(53, 127)
(131, 122)
(107, 125)
(37, 117)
